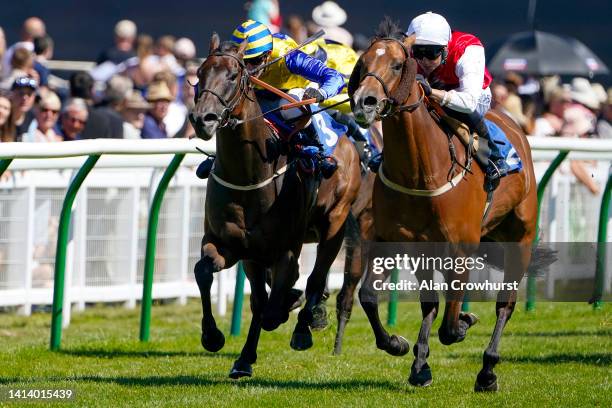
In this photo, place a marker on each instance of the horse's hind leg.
(352, 273)
(420, 372)
(327, 250)
(392, 344)
(243, 365)
(212, 338)
(516, 260)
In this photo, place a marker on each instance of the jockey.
(293, 74)
(453, 74)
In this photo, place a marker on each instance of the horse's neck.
(241, 151)
(416, 149)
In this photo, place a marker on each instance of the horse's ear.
(214, 43)
(409, 40)
(355, 78)
(242, 46)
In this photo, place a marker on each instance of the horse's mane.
(389, 29)
(228, 46)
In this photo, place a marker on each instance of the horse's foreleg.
(392, 344)
(420, 372)
(516, 260)
(243, 365)
(212, 338)
(285, 273)
(327, 250)
(455, 324)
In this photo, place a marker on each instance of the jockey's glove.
(314, 93)
(426, 87)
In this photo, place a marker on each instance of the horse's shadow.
(183, 380)
(114, 353)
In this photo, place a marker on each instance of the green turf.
(559, 356)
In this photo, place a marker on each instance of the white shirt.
(470, 96)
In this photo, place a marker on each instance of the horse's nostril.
(211, 117)
(370, 101)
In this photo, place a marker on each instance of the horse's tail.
(542, 256)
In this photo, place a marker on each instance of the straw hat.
(159, 91)
(329, 14)
(582, 92)
(578, 121)
(135, 101)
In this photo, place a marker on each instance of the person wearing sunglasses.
(73, 119)
(46, 112)
(452, 70)
(23, 95)
(297, 73)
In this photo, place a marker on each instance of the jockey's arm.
(470, 71)
(330, 81)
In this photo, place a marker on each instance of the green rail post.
(4, 163)
(147, 284)
(238, 301)
(393, 297)
(465, 306)
(60, 253)
(602, 237)
(531, 280)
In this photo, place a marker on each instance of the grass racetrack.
(559, 356)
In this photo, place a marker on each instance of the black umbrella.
(540, 53)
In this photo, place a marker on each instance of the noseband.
(390, 105)
(243, 88)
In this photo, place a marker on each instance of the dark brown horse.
(261, 209)
(415, 202)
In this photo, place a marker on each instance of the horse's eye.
(397, 67)
(233, 75)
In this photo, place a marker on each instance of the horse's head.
(223, 82)
(383, 76)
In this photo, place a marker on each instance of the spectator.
(118, 88)
(177, 112)
(100, 123)
(32, 27)
(159, 96)
(125, 34)
(133, 113)
(266, 12)
(73, 119)
(43, 51)
(296, 28)
(187, 100)
(499, 95)
(46, 111)
(330, 16)
(582, 93)
(2, 51)
(604, 124)
(184, 51)
(22, 64)
(148, 63)
(580, 124)
(7, 127)
(22, 99)
(551, 121)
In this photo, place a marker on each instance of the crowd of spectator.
(140, 86)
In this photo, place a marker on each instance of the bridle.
(242, 91)
(390, 105)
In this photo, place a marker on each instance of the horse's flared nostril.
(370, 102)
(211, 117)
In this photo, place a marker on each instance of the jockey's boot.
(203, 170)
(327, 164)
(497, 166)
(375, 161)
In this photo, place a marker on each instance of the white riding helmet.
(430, 29)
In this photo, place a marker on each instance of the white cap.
(430, 29)
(125, 29)
(184, 48)
(329, 14)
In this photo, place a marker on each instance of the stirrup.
(204, 169)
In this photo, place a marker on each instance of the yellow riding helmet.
(259, 38)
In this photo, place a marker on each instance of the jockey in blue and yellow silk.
(298, 73)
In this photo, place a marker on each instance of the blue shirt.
(152, 129)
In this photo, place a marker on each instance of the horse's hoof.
(397, 346)
(240, 369)
(319, 317)
(295, 299)
(213, 340)
(301, 341)
(470, 318)
(421, 379)
(486, 388)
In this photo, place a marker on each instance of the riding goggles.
(430, 52)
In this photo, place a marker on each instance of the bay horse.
(260, 209)
(415, 200)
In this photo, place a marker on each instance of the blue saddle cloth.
(505, 149)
